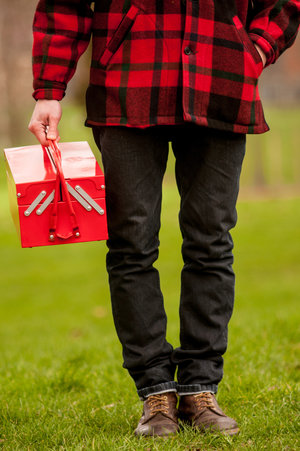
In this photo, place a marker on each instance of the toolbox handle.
(55, 154)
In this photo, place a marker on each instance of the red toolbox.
(57, 195)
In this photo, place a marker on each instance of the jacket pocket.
(248, 45)
(119, 35)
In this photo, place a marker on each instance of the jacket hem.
(170, 120)
(123, 122)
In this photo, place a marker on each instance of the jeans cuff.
(156, 389)
(195, 388)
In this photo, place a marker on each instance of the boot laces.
(158, 404)
(204, 400)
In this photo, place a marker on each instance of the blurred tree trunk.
(15, 73)
(4, 103)
(16, 103)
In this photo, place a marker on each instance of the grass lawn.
(62, 383)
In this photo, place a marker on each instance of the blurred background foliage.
(272, 163)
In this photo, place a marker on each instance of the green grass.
(273, 158)
(62, 383)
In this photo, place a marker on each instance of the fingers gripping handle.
(55, 154)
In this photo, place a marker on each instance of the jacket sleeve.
(274, 26)
(61, 33)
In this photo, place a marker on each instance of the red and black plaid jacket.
(164, 61)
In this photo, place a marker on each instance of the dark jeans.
(208, 166)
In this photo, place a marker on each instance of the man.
(184, 71)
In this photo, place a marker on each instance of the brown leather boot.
(159, 416)
(203, 412)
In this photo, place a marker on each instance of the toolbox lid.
(32, 164)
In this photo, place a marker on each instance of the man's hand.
(45, 119)
(262, 54)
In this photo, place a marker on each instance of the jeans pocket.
(119, 35)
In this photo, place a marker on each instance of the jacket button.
(187, 51)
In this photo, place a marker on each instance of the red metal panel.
(35, 229)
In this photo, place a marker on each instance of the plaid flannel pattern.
(164, 61)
